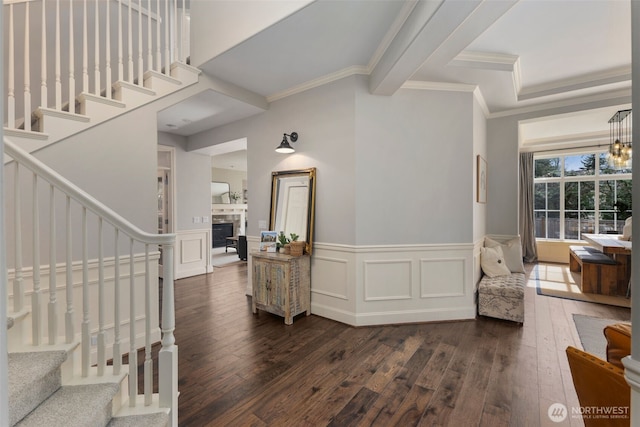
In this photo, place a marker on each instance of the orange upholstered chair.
(600, 384)
(618, 338)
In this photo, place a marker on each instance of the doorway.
(166, 193)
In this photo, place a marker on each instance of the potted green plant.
(297, 247)
(283, 243)
(234, 196)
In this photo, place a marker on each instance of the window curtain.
(527, 224)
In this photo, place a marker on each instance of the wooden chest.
(281, 284)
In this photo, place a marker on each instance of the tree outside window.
(579, 193)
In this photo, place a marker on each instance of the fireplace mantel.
(223, 209)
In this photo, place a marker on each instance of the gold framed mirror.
(293, 202)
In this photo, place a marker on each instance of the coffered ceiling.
(520, 55)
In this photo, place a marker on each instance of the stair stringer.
(55, 125)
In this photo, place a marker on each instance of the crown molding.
(615, 75)
(345, 72)
(621, 93)
(448, 87)
(485, 60)
(582, 140)
(477, 93)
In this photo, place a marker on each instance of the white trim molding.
(193, 253)
(386, 284)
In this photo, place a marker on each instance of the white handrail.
(82, 197)
(167, 374)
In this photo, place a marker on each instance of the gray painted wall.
(193, 176)
(502, 153)
(115, 162)
(479, 148)
(389, 168)
(324, 119)
(414, 167)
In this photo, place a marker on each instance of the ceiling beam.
(434, 33)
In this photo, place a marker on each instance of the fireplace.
(221, 230)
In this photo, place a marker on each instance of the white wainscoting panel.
(331, 276)
(442, 277)
(387, 279)
(374, 285)
(193, 253)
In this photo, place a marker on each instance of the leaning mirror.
(293, 204)
(220, 192)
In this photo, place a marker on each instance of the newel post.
(168, 357)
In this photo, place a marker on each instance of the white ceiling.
(522, 55)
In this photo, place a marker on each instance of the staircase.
(93, 60)
(80, 318)
(38, 398)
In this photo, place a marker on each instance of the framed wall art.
(481, 180)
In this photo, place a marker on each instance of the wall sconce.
(284, 146)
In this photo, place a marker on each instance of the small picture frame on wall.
(481, 180)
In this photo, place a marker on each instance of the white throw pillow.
(512, 251)
(493, 263)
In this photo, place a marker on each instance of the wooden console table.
(281, 284)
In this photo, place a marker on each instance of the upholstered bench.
(599, 272)
(502, 297)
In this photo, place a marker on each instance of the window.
(579, 193)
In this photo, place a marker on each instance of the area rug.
(591, 336)
(220, 258)
(556, 280)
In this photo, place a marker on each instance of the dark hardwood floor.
(240, 369)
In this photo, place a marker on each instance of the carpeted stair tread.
(159, 419)
(74, 406)
(33, 377)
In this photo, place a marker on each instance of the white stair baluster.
(53, 302)
(158, 41)
(107, 50)
(69, 314)
(18, 283)
(86, 324)
(72, 63)
(148, 362)
(85, 51)
(11, 83)
(133, 351)
(182, 30)
(149, 38)
(102, 360)
(130, 44)
(117, 353)
(96, 53)
(174, 33)
(27, 70)
(167, 43)
(120, 60)
(43, 58)
(58, 72)
(36, 296)
(140, 60)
